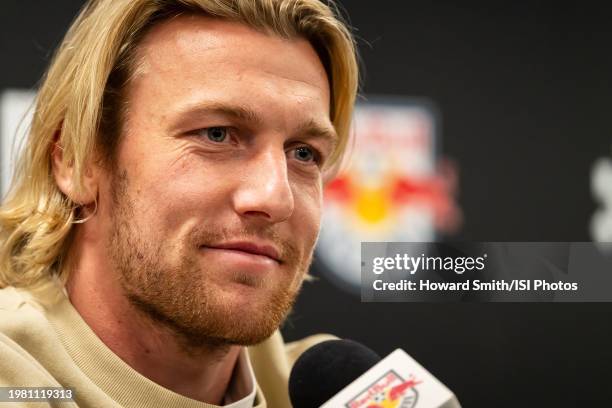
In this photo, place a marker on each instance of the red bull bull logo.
(391, 391)
(395, 188)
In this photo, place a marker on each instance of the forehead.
(195, 57)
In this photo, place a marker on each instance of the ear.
(63, 173)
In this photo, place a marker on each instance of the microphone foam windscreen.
(325, 369)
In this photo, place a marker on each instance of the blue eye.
(216, 134)
(304, 153)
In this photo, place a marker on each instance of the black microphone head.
(325, 369)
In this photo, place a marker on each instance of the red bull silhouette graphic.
(395, 188)
(391, 391)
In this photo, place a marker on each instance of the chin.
(253, 319)
(244, 328)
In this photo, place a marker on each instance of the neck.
(149, 347)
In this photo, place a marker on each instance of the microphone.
(345, 373)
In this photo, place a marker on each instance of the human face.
(215, 200)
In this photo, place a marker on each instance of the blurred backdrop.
(490, 119)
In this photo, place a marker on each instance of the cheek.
(178, 189)
(308, 208)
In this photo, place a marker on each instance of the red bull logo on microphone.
(390, 391)
(396, 188)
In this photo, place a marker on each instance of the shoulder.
(274, 351)
(10, 298)
(23, 330)
(272, 361)
(21, 315)
(295, 349)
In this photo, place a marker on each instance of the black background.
(524, 94)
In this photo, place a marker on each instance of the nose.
(264, 191)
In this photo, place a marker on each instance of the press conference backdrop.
(510, 105)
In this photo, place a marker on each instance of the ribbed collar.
(112, 375)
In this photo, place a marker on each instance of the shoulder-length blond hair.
(80, 103)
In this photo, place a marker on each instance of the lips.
(251, 248)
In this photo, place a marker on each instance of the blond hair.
(80, 104)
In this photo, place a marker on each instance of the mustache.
(207, 235)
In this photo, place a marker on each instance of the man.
(168, 201)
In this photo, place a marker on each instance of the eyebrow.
(309, 128)
(239, 112)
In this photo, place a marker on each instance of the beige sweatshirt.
(45, 343)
